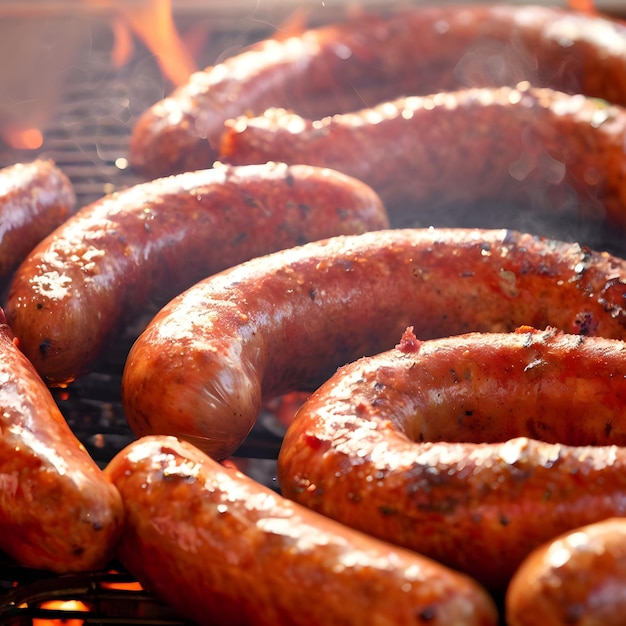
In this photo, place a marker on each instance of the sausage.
(223, 549)
(376, 57)
(472, 450)
(35, 198)
(578, 578)
(58, 511)
(135, 249)
(532, 148)
(286, 321)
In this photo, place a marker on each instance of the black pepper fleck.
(387, 510)
(44, 347)
(427, 614)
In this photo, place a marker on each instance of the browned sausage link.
(34, 199)
(379, 57)
(96, 272)
(536, 148)
(223, 549)
(57, 509)
(579, 578)
(434, 446)
(287, 320)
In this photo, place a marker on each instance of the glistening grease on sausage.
(472, 450)
(139, 247)
(539, 149)
(58, 511)
(367, 60)
(577, 578)
(35, 198)
(223, 549)
(286, 321)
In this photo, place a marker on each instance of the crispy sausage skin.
(57, 509)
(472, 450)
(99, 270)
(223, 549)
(35, 198)
(578, 578)
(286, 321)
(535, 148)
(373, 58)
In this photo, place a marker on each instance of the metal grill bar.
(105, 598)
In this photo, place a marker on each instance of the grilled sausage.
(435, 445)
(223, 549)
(57, 509)
(287, 320)
(532, 148)
(579, 578)
(361, 62)
(34, 199)
(98, 271)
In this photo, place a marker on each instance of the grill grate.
(89, 128)
(89, 122)
(111, 597)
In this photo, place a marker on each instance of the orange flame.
(584, 6)
(23, 138)
(62, 605)
(123, 586)
(152, 21)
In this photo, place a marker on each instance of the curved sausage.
(472, 450)
(377, 57)
(140, 247)
(287, 320)
(579, 578)
(539, 149)
(223, 549)
(58, 511)
(35, 198)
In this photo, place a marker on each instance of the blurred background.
(77, 73)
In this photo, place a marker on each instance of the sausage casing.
(223, 549)
(448, 158)
(578, 578)
(57, 509)
(133, 250)
(373, 58)
(473, 449)
(286, 321)
(35, 198)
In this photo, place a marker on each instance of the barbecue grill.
(88, 115)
